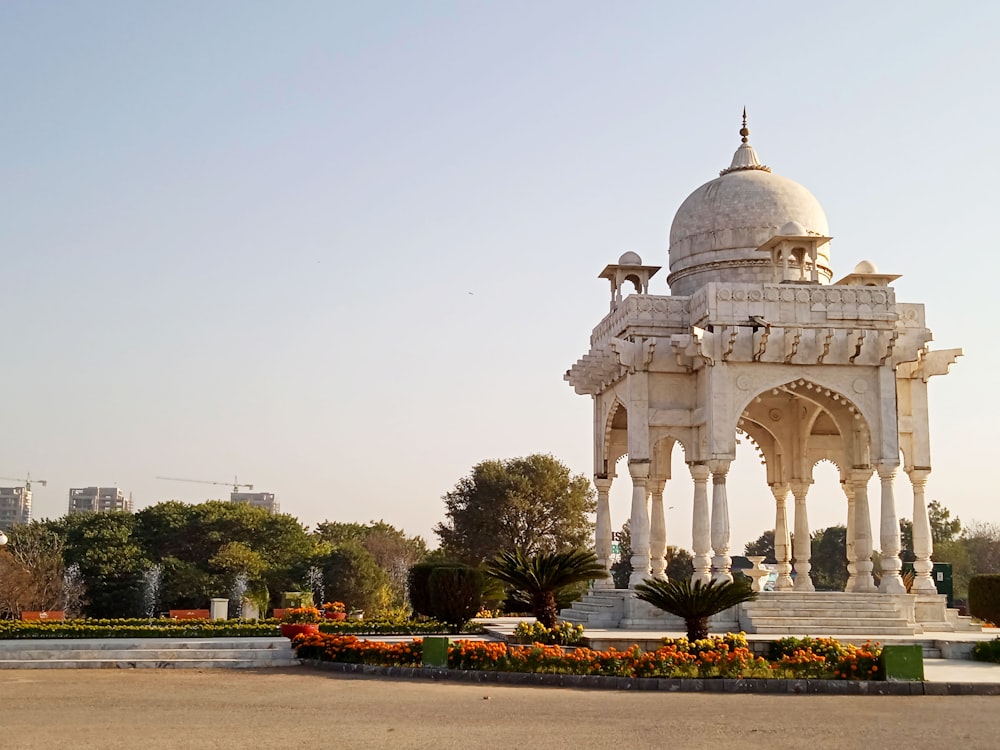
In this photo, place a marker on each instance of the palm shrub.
(538, 579)
(695, 603)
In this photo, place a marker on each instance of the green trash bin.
(436, 651)
(903, 662)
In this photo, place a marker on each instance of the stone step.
(122, 653)
(807, 622)
(141, 663)
(814, 631)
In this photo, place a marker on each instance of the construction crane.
(236, 482)
(26, 482)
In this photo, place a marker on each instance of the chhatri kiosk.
(757, 340)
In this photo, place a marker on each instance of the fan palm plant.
(694, 603)
(540, 577)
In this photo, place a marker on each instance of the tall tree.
(829, 558)
(391, 549)
(532, 504)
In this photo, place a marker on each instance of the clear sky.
(347, 250)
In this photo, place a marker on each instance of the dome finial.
(745, 157)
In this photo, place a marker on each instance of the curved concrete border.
(671, 685)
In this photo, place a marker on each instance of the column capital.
(656, 485)
(860, 475)
(639, 469)
(699, 472)
(886, 470)
(800, 487)
(719, 466)
(918, 476)
(603, 484)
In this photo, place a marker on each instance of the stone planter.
(335, 615)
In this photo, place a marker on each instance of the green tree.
(532, 504)
(944, 529)
(204, 546)
(110, 561)
(694, 603)
(392, 550)
(829, 558)
(351, 575)
(762, 545)
(540, 577)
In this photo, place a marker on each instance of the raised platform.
(138, 653)
(784, 613)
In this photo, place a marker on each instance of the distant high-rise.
(257, 499)
(15, 506)
(94, 499)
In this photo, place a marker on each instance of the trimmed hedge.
(164, 628)
(984, 597)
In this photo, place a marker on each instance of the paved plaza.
(179, 709)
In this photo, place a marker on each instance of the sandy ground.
(286, 708)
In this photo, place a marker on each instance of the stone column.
(892, 581)
(701, 539)
(639, 523)
(852, 554)
(803, 542)
(782, 538)
(657, 530)
(602, 532)
(863, 581)
(923, 543)
(721, 561)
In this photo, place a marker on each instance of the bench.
(50, 615)
(189, 614)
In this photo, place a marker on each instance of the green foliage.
(351, 575)
(694, 603)
(540, 577)
(984, 597)
(456, 593)
(762, 545)
(829, 558)
(111, 562)
(531, 503)
(987, 651)
(418, 585)
(391, 549)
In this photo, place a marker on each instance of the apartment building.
(257, 499)
(94, 499)
(15, 506)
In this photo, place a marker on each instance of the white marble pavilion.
(756, 339)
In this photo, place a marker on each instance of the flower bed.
(717, 657)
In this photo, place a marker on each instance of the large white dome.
(717, 230)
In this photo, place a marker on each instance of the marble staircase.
(137, 653)
(783, 613)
